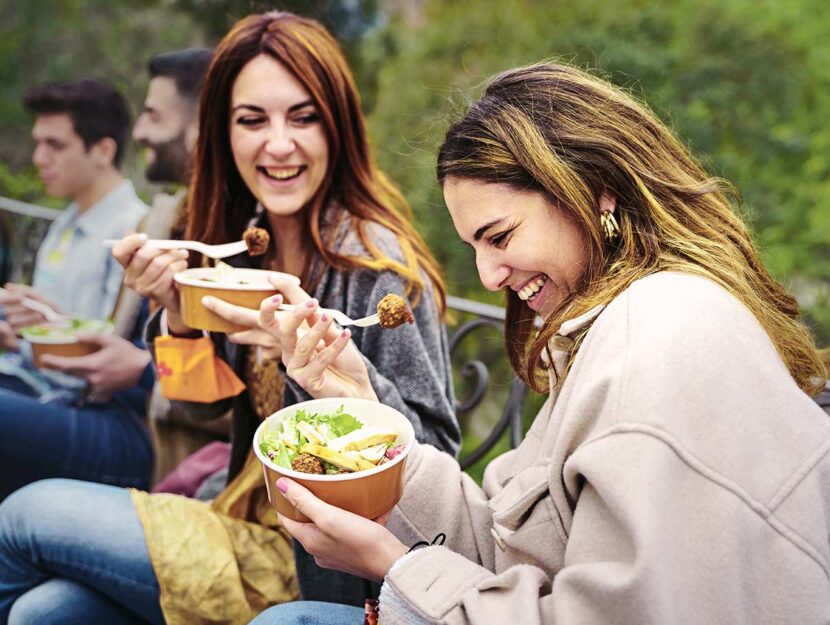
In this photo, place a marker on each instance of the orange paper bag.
(189, 370)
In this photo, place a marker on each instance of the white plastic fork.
(222, 250)
(342, 319)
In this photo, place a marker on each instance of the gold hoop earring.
(609, 225)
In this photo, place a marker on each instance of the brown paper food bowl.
(75, 348)
(252, 288)
(68, 346)
(367, 493)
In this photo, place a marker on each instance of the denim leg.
(61, 601)
(83, 532)
(310, 613)
(16, 385)
(96, 443)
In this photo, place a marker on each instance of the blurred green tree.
(347, 20)
(42, 41)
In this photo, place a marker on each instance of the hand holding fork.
(322, 360)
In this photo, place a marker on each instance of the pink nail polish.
(282, 486)
(345, 333)
(277, 299)
(324, 317)
(310, 303)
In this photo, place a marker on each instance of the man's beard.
(172, 161)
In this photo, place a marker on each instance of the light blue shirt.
(73, 268)
(80, 276)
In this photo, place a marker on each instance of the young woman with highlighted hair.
(679, 471)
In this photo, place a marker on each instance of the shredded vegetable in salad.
(329, 443)
(66, 329)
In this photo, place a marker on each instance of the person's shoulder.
(674, 321)
(689, 360)
(123, 208)
(674, 289)
(684, 302)
(125, 196)
(381, 237)
(134, 200)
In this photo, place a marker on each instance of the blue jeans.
(310, 613)
(102, 442)
(74, 553)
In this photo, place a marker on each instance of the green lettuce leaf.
(284, 457)
(343, 423)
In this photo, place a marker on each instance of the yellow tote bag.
(190, 370)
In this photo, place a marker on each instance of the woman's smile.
(521, 240)
(532, 288)
(282, 175)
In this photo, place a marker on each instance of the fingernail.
(345, 333)
(207, 300)
(324, 317)
(311, 303)
(276, 299)
(282, 486)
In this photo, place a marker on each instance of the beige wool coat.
(677, 476)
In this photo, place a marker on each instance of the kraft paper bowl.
(242, 287)
(58, 339)
(367, 493)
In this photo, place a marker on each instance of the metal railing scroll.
(477, 375)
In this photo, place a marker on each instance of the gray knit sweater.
(409, 368)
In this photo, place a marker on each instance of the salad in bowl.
(59, 338)
(349, 452)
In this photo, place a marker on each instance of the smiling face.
(277, 138)
(166, 129)
(521, 241)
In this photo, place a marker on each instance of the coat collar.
(560, 344)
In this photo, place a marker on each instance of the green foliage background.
(744, 82)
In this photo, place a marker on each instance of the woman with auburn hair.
(282, 146)
(679, 472)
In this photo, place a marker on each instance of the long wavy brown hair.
(220, 204)
(571, 136)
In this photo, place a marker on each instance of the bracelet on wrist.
(439, 539)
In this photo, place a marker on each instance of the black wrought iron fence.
(490, 399)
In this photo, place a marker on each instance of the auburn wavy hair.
(571, 136)
(219, 202)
